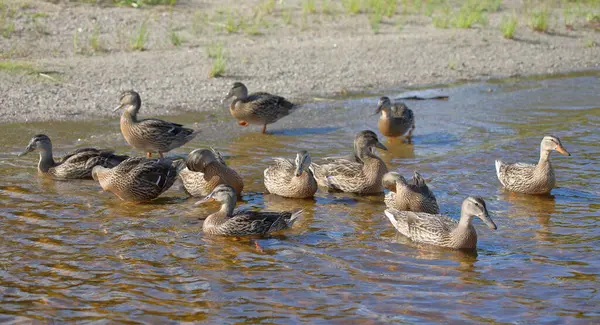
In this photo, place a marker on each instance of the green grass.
(232, 25)
(139, 3)
(94, 40)
(287, 16)
(176, 40)
(138, 42)
(467, 17)
(309, 6)
(352, 7)
(326, 8)
(76, 42)
(539, 20)
(16, 66)
(590, 43)
(217, 54)
(508, 26)
(268, 6)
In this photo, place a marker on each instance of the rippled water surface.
(71, 253)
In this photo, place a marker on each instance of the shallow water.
(71, 253)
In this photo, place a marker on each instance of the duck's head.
(366, 140)
(221, 193)
(40, 142)
(198, 159)
(389, 180)
(238, 90)
(303, 162)
(384, 104)
(475, 206)
(551, 142)
(130, 100)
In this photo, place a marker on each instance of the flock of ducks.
(412, 207)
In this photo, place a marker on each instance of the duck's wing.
(159, 174)
(81, 155)
(513, 174)
(219, 157)
(425, 225)
(156, 128)
(281, 171)
(258, 222)
(339, 174)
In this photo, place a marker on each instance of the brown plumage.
(257, 108)
(204, 169)
(150, 135)
(396, 119)
(137, 179)
(291, 179)
(414, 197)
(74, 165)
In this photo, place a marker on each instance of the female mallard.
(257, 108)
(441, 230)
(415, 197)
(137, 179)
(150, 135)
(75, 165)
(291, 179)
(395, 119)
(204, 169)
(363, 176)
(528, 178)
(226, 222)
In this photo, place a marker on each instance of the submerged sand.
(69, 61)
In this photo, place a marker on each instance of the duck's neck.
(223, 214)
(386, 113)
(544, 161)
(46, 160)
(464, 223)
(130, 113)
(364, 153)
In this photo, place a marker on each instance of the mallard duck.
(441, 230)
(257, 108)
(528, 178)
(395, 119)
(291, 179)
(227, 222)
(137, 179)
(414, 197)
(204, 169)
(74, 165)
(363, 176)
(150, 135)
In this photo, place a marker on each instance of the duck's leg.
(243, 123)
(148, 154)
(264, 129)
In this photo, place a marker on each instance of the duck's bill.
(226, 98)
(204, 200)
(117, 108)
(562, 151)
(378, 110)
(488, 221)
(27, 150)
(380, 146)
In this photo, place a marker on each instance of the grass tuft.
(309, 6)
(217, 54)
(352, 7)
(140, 38)
(539, 20)
(590, 43)
(508, 26)
(94, 40)
(16, 66)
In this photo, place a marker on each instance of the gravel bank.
(84, 54)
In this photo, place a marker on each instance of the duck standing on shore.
(150, 135)
(74, 165)
(530, 178)
(257, 108)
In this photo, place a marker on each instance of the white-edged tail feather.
(498, 166)
(392, 218)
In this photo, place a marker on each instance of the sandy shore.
(70, 61)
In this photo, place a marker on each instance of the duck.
(395, 120)
(361, 176)
(137, 179)
(529, 178)
(227, 222)
(441, 230)
(75, 165)
(257, 108)
(415, 197)
(204, 169)
(291, 179)
(150, 135)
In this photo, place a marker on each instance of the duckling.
(441, 230)
(395, 119)
(204, 169)
(227, 222)
(137, 179)
(529, 178)
(362, 177)
(75, 165)
(150, 135)
(257, 108)
(414, 197)
(293, 180)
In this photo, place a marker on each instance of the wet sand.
(70, 61)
